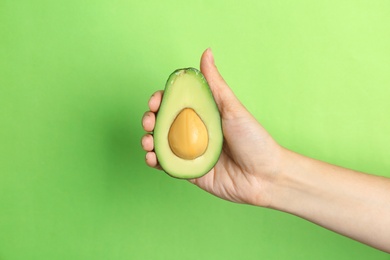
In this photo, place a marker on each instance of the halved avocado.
(188, 132)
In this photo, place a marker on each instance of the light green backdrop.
(75, 78)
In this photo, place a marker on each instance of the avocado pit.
(188, 137)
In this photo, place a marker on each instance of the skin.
(254, 169)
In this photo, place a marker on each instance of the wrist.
(272, 180)
(292, 183)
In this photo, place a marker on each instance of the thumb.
(228, 104)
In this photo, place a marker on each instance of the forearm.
(354, 204)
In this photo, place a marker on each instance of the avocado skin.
(177, 96)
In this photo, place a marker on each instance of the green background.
(75, 78)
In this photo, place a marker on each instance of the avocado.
(188, 132)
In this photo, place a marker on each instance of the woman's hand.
(254, 169)
(249, 161)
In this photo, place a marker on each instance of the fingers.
(148, 146)
(149, 118)
(149, 121)
(210, 71)
(147, 143)
(227, 102)
(150, 157)
(155, 101)
(151, 160)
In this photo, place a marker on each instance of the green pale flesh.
(187, 88)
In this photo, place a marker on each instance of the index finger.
(155, 101)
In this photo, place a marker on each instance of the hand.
(248, 164)
(254, 169)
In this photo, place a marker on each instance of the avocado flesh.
(187, 88)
